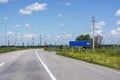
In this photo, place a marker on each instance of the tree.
(83, 37)
(98, 40)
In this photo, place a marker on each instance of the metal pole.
(15, 44)
(40, 40)
(93, 20)
(72, 49)
(5, 36)
(33, 41)
(79, 49)
(8, 42)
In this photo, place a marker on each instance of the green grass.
(9, 49)
(107, 56)
(4, 49)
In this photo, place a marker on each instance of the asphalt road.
(37, 64)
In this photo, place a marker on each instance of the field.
(9, 49)
(109, 57)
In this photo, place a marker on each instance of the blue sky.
(58, 21)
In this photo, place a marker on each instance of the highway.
(37, 64)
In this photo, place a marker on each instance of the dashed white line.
(45, 66)
(2, 64)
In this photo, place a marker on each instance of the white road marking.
(2, 64)
(45, 66)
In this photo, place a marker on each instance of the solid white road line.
(45, 66)
(2, 64)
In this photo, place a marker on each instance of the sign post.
(72, 50)
(79, 49)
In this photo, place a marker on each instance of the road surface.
(37, 64)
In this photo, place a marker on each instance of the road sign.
(80, 43)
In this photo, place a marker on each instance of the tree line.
(98, 39)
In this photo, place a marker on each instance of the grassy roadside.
(9, 49)
(109, 57)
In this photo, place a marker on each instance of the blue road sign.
(80, 43)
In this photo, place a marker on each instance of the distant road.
(37, 64)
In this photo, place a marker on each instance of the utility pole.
(5, 35)
(93, 21)
(33, 41)
(8, 42)
(22, 44)
(5, 24)
(45, 44)
(15, 43)
(28, 44)
(40, 39)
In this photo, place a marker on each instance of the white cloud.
(3, 1)
(64, 36)
(67, 3)
(33, 7)
(36, 6)
(6, 18)
(28, 36)
(10, 33)
(22, 11)
(60, 16)
(99, 32)
(118, 22)
(58, 37)
(112, 37)
(62, 24)
(115, 32)
(17, 26)
(28, 26)
(48, 37)
(100, 25)
(19, 34)
(117, 12)
(10, 38)
(67, 35)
